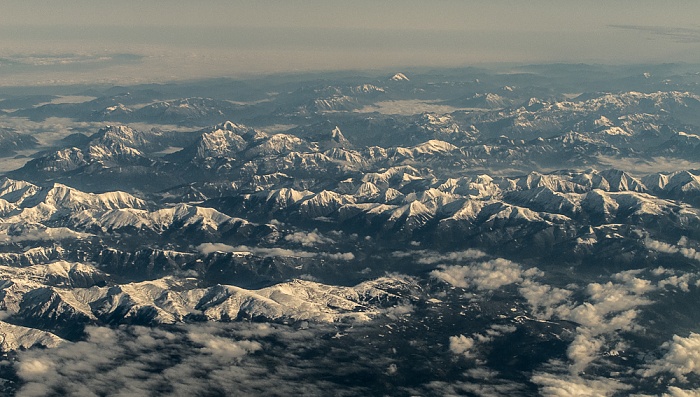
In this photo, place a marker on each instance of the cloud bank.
(682, 358)
(488, 275)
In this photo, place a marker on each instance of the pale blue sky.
(186, 39)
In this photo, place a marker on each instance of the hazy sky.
(142, 40)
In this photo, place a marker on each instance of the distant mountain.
(11, 142)
(483, 101)
(399, 77)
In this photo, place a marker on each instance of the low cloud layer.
(429, 257)
(600, 309)
(682, 357)
(675, 33)
(210, 248)
(546, 301)
(314, 359)
(666, 248)
(468, 346)
(232, 359)
(310, 239)
(488, 275)
(243, 359)
(125, 362)
(559, 385)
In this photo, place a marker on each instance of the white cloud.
(582, 351)
(612, 306)
(489, 275)
(262, 251)
(660, 246)
(461, 345)
(340, 256)
(660, 271)
(680, 282)
(464, 345)
(611, 298)
(607, 308)
(632, 282)
(203, 359)
(34, 368)
(208, 248)
(558, 385)
(309, 239)
(399, 311)
(50, 131)
(678, 392)
(597, 322)
(682, 358)
(546, 301)
(123, 362)
(481, 389)
(431, 257)
(224, 347)
(481, 373)
(503, 329)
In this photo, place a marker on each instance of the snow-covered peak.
(336, 134)
(367, 190)
(603, 121)
(687, 135)
(622, 181)
(282, 198)
(677, 182)
(111, 151)
(15, 337)
(324, 203)
(683, 181)
(366, 89)
(391, 174)
(434, 146)
(60, 273)
(62, 196)
(412, 210)
(15, 190)
(117, 131)
(118, 109)
(334, 139)
(220, 143)
(399, 77)
(233, 127)
(278, 144)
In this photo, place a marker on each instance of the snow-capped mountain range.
(514, 230)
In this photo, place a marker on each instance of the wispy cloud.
(68, 59)
(209, 248)
(677, 34)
